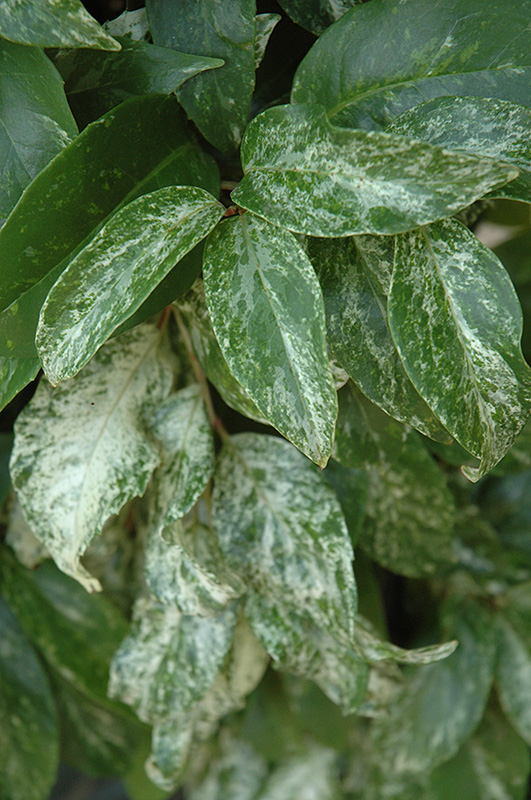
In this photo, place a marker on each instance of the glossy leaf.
(470, 368)
(258, 280)
(29, 747)
(265, 25)
(478, 125)
(317, 15)
(81, 450)
(355, 275)
(52, 23)
(111, 277)
(357, 71)
(219, 102)
(373, 649)
(306, 175)
(513, 668)
(15, 374)
(35, 121)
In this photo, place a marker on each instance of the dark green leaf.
(306, 175)
(265, 24)
(15, 374)
(317, 15)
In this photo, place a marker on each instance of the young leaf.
(117, 270)
(317, 15)
(219, 102)
(52, 23)
(259, 281)
(265, 24)
(81, 450)
(355, 275)
(35, 120)
(457, 324)
(513, 668)
(310, 177)
(457, 47)
(15, 374)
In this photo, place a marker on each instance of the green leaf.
(258, 280)
(317, 15)
(312, 776)
(81, 450)
(96, 80)
(29, 747)
(355, 275)
(219, 102)
(237, 774)
(357, 71)
(306, 175)
(478, 125)
(103, 169)
(457, 324)
(112, 276)
(265, 24)
(15, 374)
(372, 649)
(513, 669)
(409, 509)
(52, 23)
(35, 120)
(441, 704)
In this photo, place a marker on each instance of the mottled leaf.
(311, 177)
(364, 79)
(133, 24)
(81, 450)
(15, 374)
(21, 539)
(35, 120)
(457, 324)
(265, 25)
(237, 774)
(374, 649)
(111, 277)
(312, 776)
(317, 15)
(513, 669)
(29, 746)
(219, 102)
(52, 23)
(355, 275)
(259, 281)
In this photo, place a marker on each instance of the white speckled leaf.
(182, 428)
(115, 272)
(457, 324)
(513, 668)
(81, 450)
(312, 776)
(373, 649)
(238, 774)
(15, 374)
(268, 316)
(409, 510)
(265, 24)
(478, 125)
(280, 526)
(308, 176)
(133, 24)
(52, 23)
(382, 58)
(317, 15)
(19, 536)
(355, 275)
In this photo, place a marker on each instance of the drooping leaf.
(374, 649)
(111, 277)
(15, 374)
(304, 174)
(268, 316)
(81, 450)
(265, 25)
(457, 324)
(355, 275)
(364, 79)
(219, 102)
(103, 169)
(409, 511)
(513, 668)
(478, 125)
(35, 120)
(52, 23)
(96, 81)
(317, 15)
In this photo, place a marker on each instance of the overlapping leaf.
(374, 649)
(268, 316)
(312, 776)
(306, 175)
(265, 25)
(15, 374)
(317, 15)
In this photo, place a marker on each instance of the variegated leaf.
(308, 176)
(265, 25)
(267, 312)
(457, 324)
(19, 536)
(15, 374)
(373, 649)
(317, 15)
(355, 275)
(513, 668)
(238, 774)
(81, 450)
(115, 272)
(312, 776)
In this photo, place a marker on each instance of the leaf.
(237, 774)
(409, 512)
(15, 374)
(364, 80)
(219, 102)
(52, 23)
(35, 120)
(258, 280)
(355, 275)
(317, 15)
(265, 24)
(513, 668)
(29, 747)
(469, 368)
(112, 276)
(96, 80)
(312, 776)
(306, 175)
(19, 536)
(477, 125)
(133, 24)
(81, 450)
(441, 704)
(372, 649)
(46, 227)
